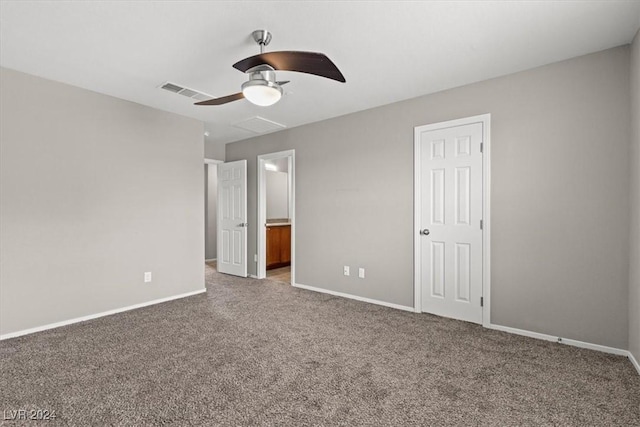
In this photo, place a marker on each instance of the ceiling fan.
(262, 88)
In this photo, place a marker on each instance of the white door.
(450, 221)
(232, 218)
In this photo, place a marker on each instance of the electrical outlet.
(346, 270)
(361, 273)
(255, 258)
(147, 277)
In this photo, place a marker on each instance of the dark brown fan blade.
(303, 62)
(222, 100)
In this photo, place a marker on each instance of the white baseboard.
(253, 276)
(634, 362)
(95, 316)
(211, 259)
(355, 297)
(574, 343)
(566, 341)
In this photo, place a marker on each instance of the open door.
(232, 218)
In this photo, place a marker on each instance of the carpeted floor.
(255, 352)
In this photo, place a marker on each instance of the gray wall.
(634, 254)
(94, 192)
(560, 195)
(277, 189)
(211, 211)
(212, 150)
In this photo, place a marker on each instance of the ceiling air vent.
(171, 87)
(185, 91)
(259, 125)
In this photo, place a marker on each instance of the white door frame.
(485, 119)
(212, 162)
(262, 210)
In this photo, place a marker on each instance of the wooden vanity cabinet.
(278, 246)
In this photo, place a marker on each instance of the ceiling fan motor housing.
(262, 78)
(267, 75)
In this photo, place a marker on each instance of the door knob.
(425, 232)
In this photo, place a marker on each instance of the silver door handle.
(243, 224)
(425, 232)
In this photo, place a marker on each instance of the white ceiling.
(388, 51)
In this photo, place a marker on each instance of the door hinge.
(481, 146)
(481, 301)
(481, 225)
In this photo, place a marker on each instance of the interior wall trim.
(212, 161)
(634, 362)
(507, 329)
(261, 232)
(530, 334)
(97, 315)
(567, 341)
(354, 297)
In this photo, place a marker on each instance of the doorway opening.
(211, 212)
(276, 217)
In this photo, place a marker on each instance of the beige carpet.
(259, 353)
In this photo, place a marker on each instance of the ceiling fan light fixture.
(262, 92)
(262, 88)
